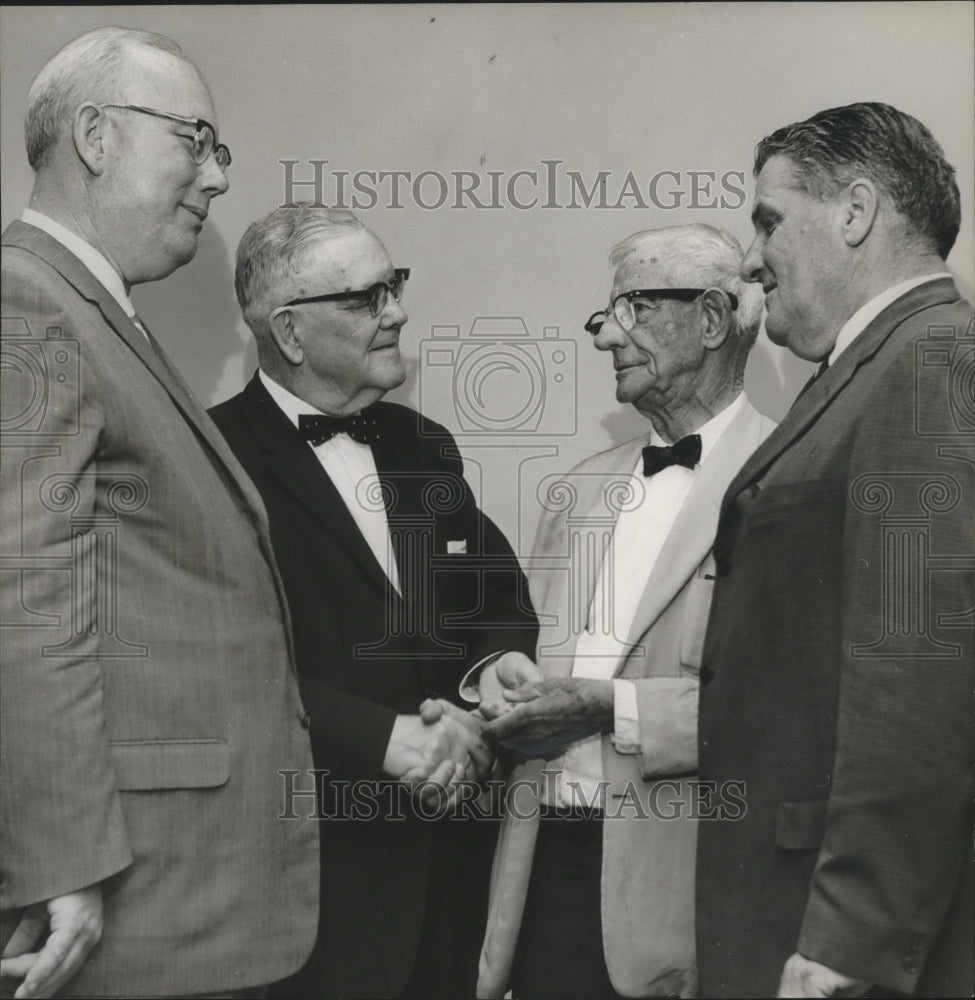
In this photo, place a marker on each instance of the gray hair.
(699, 256)
(272, 251)
(86, 69)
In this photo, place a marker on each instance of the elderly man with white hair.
(593, 886)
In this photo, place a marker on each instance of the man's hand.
(441, 752)
(546, 715)
(74, 925)
(802, 977)
(506, 674)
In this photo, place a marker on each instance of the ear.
(282, 326)
(88, 134)
(859, 205)
(718, 318)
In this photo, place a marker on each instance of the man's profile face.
(797, 256)
(657, 358)
(345, 348)
(155, 199)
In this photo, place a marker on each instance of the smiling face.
(658, 360)
(798, 256)
(349, 358)
(152, 198)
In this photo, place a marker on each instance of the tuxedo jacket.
(838, 671)
(149, 692)
(652, 809)
(367, 654)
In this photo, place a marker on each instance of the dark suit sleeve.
(505, 619)
(61, 822)
(898, 812)
(349, 733)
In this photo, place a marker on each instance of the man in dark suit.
(397, 585)
(149, 689)
(837, 671)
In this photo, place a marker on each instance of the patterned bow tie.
(316, 428)
(686, 452)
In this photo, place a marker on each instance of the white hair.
(699, 256)
(86, 69)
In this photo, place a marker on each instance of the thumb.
(431, 711)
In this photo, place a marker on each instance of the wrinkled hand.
(802, 977)
(546, 715)
(504, 675)
(74, 925)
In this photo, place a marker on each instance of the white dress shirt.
(96, 262)
(869, 311)
(352, 469)
(638, 537)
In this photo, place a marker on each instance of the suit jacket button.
(430, 691)
(917, 943)
(305, 719)
(909, 964)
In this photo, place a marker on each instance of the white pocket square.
(458, 547)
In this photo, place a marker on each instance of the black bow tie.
(316, 428)
(686, 452)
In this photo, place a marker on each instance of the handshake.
(520, 710)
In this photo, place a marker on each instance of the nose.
(610, 335)
(393, 314)
(212, 178)
(753, 263)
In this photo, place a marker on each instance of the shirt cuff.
(469, 689)
(626, 734)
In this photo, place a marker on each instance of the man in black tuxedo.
(397, 585)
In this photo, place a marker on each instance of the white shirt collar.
(869, 311)
(292, 406)
(712, 430)
(96, 262)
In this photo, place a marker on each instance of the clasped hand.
(437, 749)
(538, 716)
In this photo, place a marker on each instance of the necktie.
(317, 428)
(686, 452)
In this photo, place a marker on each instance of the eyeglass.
(375, 296)
(625, 314)
(204, 139)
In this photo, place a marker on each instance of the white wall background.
(619, 88)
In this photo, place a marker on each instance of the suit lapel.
(807, 409)
(590, 508)
(54, 254)
(692, 534)
(294, 465)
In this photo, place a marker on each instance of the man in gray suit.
(839, 662)
(593, 884)
(149, 694)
